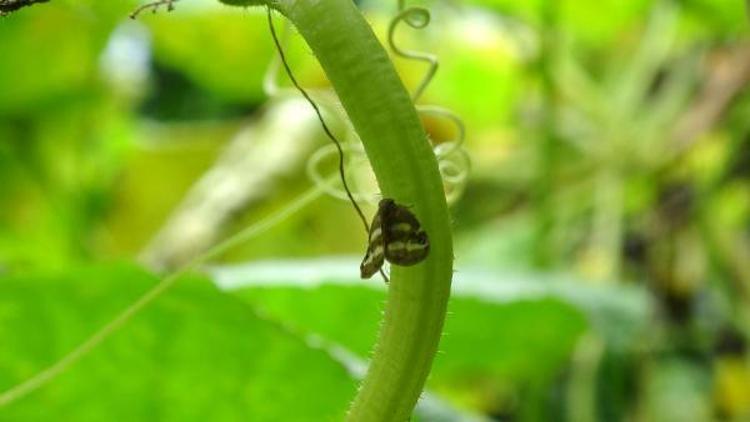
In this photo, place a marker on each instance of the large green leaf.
(223, 50)
(50, 53)
(527, 339)
(504, 337)
(199, 354)
(194, 354)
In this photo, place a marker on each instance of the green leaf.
(194, 354)
(224, 51)
(50, 53)
(503, 336)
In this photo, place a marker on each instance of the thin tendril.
(154, 6)
(328, 132)
(272, 88)
(438, 111)
(357, 157)
(418, 18)
(270, 80)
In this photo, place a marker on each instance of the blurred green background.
(602, 236)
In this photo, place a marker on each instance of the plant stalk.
(386, 120)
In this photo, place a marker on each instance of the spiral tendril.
(356, 158)
(453, 160)
(154, 7)
(417, 18)
(322, 121)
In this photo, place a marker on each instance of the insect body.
(396, 236)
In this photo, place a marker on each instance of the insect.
(396, 236)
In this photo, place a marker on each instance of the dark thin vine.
(326, 129)
(154, 6)
(8, 6)
(320, 118)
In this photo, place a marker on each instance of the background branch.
(8, 6)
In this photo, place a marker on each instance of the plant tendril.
(352, 147)
(453, 160)
(356, 159)
(326, 129)
(418, 18)
(154, 6)
(270, 80)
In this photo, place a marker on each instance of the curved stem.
(384, 116)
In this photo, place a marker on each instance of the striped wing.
(374, 257)
(406, 243)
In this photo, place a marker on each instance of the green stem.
(384, 116)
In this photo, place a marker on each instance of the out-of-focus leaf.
(157, 176)
(223, 50)
(478, 52)
(520, 345)
(677, 390)
(504, 244)
(595, 22)
(715, 19)
(589, 22)
(618, 313)
(194, 354)
(505, 335)
(62, 132)
(732, 387)
(49, 53)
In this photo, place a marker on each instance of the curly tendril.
(326, 129)
(154, 7)
(417, 18)
(271, 86)
(356, 159)
(453, 160)
(322, 121)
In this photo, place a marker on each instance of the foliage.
(608, 143)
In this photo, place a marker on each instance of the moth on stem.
(395, 236)
(383, 114)
(330, 135)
